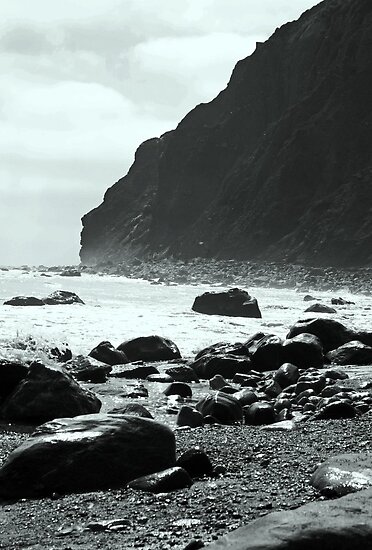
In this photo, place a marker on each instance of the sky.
(84, 82)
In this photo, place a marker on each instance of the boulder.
(150, 348)
(336, 410)
(217, 382)
(62, 297)
(106, 353)
(331, 333)
(286, 375)
(196, 462)
(187, 416)
(342, 524)
(311, 381)
(47, 393)
(351, 353)
(266, 352)
(320, 308)
(222, 407)
(178, 388)
(85, 371)
(133, 409)
(11, 374)
(24, 301)
(341, 302)
(86, 453)
(166, 481)
(234, 302)
(245, 397)
(223, 348)
(182, 373)
(259, 413)
(208, 366)
(343, 474)
(304, 350)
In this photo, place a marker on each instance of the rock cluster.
(59, 297)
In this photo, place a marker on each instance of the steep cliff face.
(277, 166)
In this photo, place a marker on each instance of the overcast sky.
(83, 82)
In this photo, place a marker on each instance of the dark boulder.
(86, 453)
(150, 348)
(62, 297)
(351, 353)
(11, 374)
(178, 388)
(341, 302)
(70, 273)
(133, 409)
(259, 413)
(85, 371)
(320, 308)
(311, 381)
(224, 348)
(47, 393)
(286, 375)
(24, 301)
(234, 302)
(106, 353)
(245, 397)
(187, 416)
(266, 353)
(208, 366)
(336, 410)
(331, 333)
(196, 462)
(304, 350)
(165, 481)
(222, 407)
(182, 373)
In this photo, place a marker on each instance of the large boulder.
(208, 366)
(86, 453)
(351, 353)
(150, 348)
(62, 297)
(24, 301)
(341, 524)
(47, 393)
(320, 308)
(234, 302)
(266, 353)
(304, 350)
(84, 370)
(222, 407)
(331, 333)
(106, 353)
(11, 374)
(343, 474)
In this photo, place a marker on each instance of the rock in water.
(234, 302)
(62, 297)
(47, 393)
(11, 374)
(86, 453)
(351, 353)
(150, 348)
(106, 353)
(24, 301)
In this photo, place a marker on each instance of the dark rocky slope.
(277, 166)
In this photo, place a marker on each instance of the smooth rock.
(48, 393)
(331, 333)
(304, 350)
(196, 462)
(222, 407)
(24, 301)
(341, 524)
(266, 352)
(86, 453)
(150, 348)
(107, 353)
(286, 375)
(182, 373)
(343, 474)
(165, 481)
(11, 374)
(259, 413)
(187, 416)
(320, 308)
(178, 388)
(351, 353)
(208, 366)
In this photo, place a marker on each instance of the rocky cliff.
(278, 166)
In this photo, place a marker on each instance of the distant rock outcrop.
(277, 166)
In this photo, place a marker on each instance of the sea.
(118, 309)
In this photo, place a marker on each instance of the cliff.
(278, 166)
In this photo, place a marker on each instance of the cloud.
(82, 84)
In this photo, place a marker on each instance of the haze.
(84, 83)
